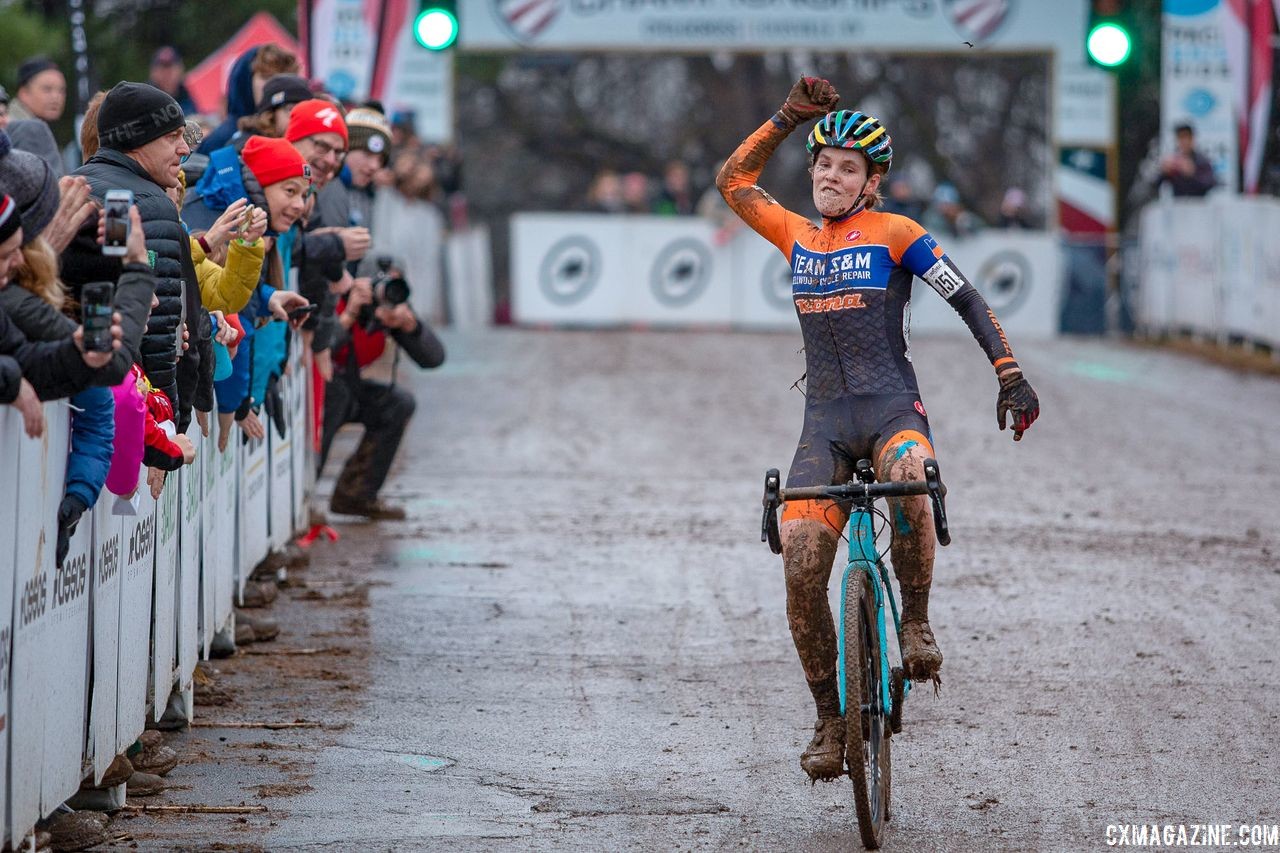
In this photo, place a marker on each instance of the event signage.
(1196, 83)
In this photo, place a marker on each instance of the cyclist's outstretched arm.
(916, 250)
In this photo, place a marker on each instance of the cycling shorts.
(837, 433)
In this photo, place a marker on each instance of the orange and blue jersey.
(851, 283)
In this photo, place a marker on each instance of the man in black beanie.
(140, 129)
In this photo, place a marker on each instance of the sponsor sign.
(1196, 83)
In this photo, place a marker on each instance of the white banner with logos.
(1211, 267)
(897, 25)
(1196, 84)
(600, 270)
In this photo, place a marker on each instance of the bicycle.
(881, 689)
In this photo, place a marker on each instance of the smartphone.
(116, 205)
(95, 314)
(302, 311)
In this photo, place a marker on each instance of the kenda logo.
(830, 303)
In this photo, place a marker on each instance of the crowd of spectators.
(246, 238)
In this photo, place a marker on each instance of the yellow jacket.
(228, 289)
(225, 289)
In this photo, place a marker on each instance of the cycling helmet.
(855, 130)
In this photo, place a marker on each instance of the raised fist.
(810, 98)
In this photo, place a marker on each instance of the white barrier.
(1211, 267)
(602, 270)
(87, 648)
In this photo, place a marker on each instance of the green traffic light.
(1109, 44)
(435, 29)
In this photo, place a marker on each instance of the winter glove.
(1016, 398)
(810, 98)
(69, 512)
(273, 405)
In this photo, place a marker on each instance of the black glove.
(810, 98)
(1016, 398)
(69, 512)
(273, 405)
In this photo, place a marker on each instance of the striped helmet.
(855, 130)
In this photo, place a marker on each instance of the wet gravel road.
(578, 642)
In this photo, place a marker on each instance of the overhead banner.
(768, 24)
(1196, 83)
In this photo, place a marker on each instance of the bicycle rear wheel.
(867, 729)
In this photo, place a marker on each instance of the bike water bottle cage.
(856, 131)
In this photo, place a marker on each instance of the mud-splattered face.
(839, 177)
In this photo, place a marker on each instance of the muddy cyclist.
(851, 284)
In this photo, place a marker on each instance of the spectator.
(4, 108)
(635, 193)
(605, 193)
(676, 194)
(1186, 170)
(903, 200)
(349, 200)
(35, 136)
(248, 80)
(280, 95)
(1013, 209)
(947, 216)
(140, 130)
(317, 130)
(42, 91)
(167, 72)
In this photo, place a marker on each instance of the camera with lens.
(389, 289)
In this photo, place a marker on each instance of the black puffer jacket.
(84, 262)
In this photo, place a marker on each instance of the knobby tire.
(867, 736)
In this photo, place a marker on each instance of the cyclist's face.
(839, 177)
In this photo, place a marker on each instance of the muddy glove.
(69, 512)
(810, 98)
(1016, 398)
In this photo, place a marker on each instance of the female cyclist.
(851, 282)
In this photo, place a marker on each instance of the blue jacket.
(93, 433)
(239, 102)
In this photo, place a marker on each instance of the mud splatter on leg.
(808, 549)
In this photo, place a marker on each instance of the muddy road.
(578, 642)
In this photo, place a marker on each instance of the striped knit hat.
(10, 221)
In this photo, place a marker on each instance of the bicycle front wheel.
(867, 729)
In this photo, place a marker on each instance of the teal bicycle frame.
(864, 558)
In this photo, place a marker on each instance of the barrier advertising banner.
(226, 507)
(34, 612)
(139, 541)
(280, 484)
(210, 546)
(254, 509)
(165, 601)
(10, 430)
(108, 558)
(189, 569)
(601, 270)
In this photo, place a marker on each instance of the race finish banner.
(1196, 83)
(896, 25)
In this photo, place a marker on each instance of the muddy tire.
(866, 725)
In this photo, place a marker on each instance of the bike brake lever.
(937, 491)
(769, 522)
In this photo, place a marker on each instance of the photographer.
(367, 314)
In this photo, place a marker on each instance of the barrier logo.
(976, 20)
(775, 283)
(570, 270)
(681, 272)
(1005, 281)
(526, 19)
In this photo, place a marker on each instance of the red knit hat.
(315, 116)
(273, 160)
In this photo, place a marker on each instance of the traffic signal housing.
(436, 26)
(1109, 37)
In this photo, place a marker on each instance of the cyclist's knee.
(808, 547)
(902, 456)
